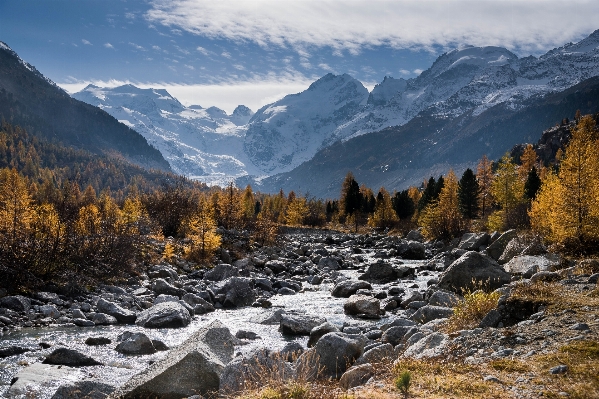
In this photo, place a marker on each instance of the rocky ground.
(545, 304)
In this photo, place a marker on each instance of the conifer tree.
(508, 190)
(442, 218)
(484, 176)
(296, 211)
(384, 214)
(468, 192)
(200, 227)
(533, 184)
(429, 194)
(528, 160)
(351, 198)
(403, 204)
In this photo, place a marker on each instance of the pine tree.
(532, 185)
(403, 204)
(351, 198)
(468, 192)
(429, 194)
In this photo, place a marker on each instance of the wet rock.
(159, 345)
(84, 390)
(237, 291)
(161, 286)
(347, 288)
(495, 250)
(94, 341)
(135, 344)
(12, 351)
(286, 291)
(83, 323)
(18, 303)
(50, 311)
(429, 312)
(470, 271)
(298, 324)
(362, 305)
(221, 272)
(317, 332)
(196, 365)
(164, 315)
(71, 358)
(103, 319)
(431, 345)
(114, 310)
(356, 375)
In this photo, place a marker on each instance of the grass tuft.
(468, 313)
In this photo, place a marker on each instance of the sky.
(224, 53)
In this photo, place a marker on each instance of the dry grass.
(468, 313)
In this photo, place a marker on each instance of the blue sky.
(252, 52)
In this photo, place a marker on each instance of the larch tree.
(528, 160)
(297, 209)
(200, 227)
(16, 205)
(468, 192)
(508, 190)
(484, 176)
(442, 218)
(384, 214)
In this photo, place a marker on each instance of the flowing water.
(118, 368)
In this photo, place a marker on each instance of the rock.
(444, 298)
(561, 369)
(276, 266)
(394, 335)
(593, 279)
(199, 305)
(291, 351)
(221, 272)
(164, 315)
(378, 354)
(33, 380)
(93, 341)
(329, 263)
(362, 305)
(414, 250)
(12, 351)
(399, 322)
(161, 286)
(193, 368)
(317, 332)
(495, 250)
(165, 298)
(103, 319)
(163, 271)
(431, 345)
(471, 270)
(491, 319)
(135, 344)
(243, 334)
(579, 327)
(159, 345)
(286, 291)
(473, 241)
(50, 311)
(347, 288)
(429, 312)
(114, 310)
(382, 273)
(84, 390)
(513, 248)
(18, 303)
(298, 324)
(335, 352)
(415, 235)
(356, 375)
(491, 378)
(545, 277)
(527, 265)
(83, 323)
(78, 314)
(71, 358)
(238, 292)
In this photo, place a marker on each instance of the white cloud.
(326, 67)
(202, 50)
(157, 48)
(418, 71)
(137, 46)
(226, 55)
(405, 72)
(525, 26)
(108, 45)
(87, 42)
(239, 67)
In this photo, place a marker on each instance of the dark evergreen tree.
(429, 194)
(532, 185)
(368, 203)
(438, 187)
(468, 191)
(403, 205)
(351, 197)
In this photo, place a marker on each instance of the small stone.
(580, 327)
(561, 369)
(492, 378)
(93, 341)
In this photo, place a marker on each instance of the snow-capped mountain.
(200, 143)
(215, 147)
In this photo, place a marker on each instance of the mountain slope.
(28, 99)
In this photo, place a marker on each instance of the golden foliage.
(468, 313)
(442, 218)
(384, 214)
(200, 227)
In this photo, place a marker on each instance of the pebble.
(561, 369)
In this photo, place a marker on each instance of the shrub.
(469, 312)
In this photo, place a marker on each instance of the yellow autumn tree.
(297, 209)
(484, 176)
(528, 160)
(507, 189)
(16, 206)
(384, 214)
(200, 228)
(568, 204)
(442, 218)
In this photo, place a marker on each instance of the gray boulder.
(347, 288)
(412, 250)
(328, 263)
(84, 390)
(376, 355)
(495, 250)
(362, 305)
(161, 286)
(383, 273)
(473, 241)
(194, 367)
(135, 344)
(356, 376)
(238, 291)
(114, 310)
(71, 358)
(221, 272)
(471, 270)
(431, 345)
(429, 312)
(415, 235)
(317, 332)
(444, 298)
(491, 319)
(18, 303)
(164, 315)
(513, 248)
(336, 351)
(165, 298)
(103, 319)
(394, 335)
(199, 305)
(299, 324)
(50, 311)
(527, 265)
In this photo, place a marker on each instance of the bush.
(468, 313)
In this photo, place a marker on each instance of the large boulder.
(299, 324)
(238, 292)
(317, 332)
(71, 358)
(135, 344)
(444, 298)
(527, 265)
(347, 288)
(428, 346)
(495, 250)
(83, 390)
(199, 305)
(221, 272)
(412, 250)
(429, 312)
(394, 335)
(376, 355)
(472, 270)
(164, 315)
(356, 376)
(473, 241)
(329, 263)
(362, 305)
(194, 367)
(103, 319)
(18, 303)
(336, 351)
(383, 273)
(161, 286)
(514, 247)
(114, 310)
